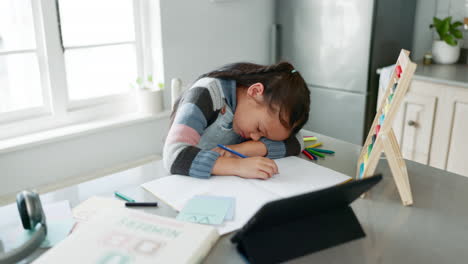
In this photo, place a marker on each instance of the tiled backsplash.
(425, 11)
(458, 9)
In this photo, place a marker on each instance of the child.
(253, 109)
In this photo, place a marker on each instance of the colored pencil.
(323, 150)
(232, 151)
(124, 197)
(315, 145)
(311, 151)
(307, 154)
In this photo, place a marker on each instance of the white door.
(457, 160)
(413, 126)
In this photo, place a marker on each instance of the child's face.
(254, 120)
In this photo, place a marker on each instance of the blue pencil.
(232, 151)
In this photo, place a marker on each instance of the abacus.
(381, 137)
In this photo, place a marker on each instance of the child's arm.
(269, 148)
(249, 148)
(197, 110)
(289, 147)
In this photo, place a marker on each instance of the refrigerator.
(337, 46)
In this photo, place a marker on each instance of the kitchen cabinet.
(432, 125)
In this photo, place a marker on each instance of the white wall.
(80, 156)
(198, 35)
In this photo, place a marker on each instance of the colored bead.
(377, 130)
(374, 137)
(361, 170)
(381, 119)
(366, 157)
(394, 86)
(398, 71)
(387, 107)
(390, 98)
(369, 148)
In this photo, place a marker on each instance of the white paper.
(296, 176)
(89, 208)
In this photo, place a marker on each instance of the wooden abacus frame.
(381, 137)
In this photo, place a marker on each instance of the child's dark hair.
(284, 88)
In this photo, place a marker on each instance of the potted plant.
(149, 96)
(446, 50)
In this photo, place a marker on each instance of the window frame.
(57, 109)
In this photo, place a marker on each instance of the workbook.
(296, 176)
(130, 236)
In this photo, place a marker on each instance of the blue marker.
(232, 151)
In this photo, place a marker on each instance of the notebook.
(296, 176)
(130, 236)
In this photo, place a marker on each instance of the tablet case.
(302, 224)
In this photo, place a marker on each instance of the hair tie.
(293, 71)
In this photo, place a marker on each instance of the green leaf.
(456, 24)
(150, 78)
(448, 19)
(442, 26)
(445, 26)
(161, 85)
(456, 33)
(446, 30)
(450, 40)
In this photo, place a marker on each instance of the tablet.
(323, 218)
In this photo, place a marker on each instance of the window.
(99, 46)
(20, 85)
(68, 61)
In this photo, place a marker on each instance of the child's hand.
(257, 168)
(250, 168)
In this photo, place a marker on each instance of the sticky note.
(205, 210)
(56, 231)
(59, 224)
(230, 213)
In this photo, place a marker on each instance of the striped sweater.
(198, 109)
